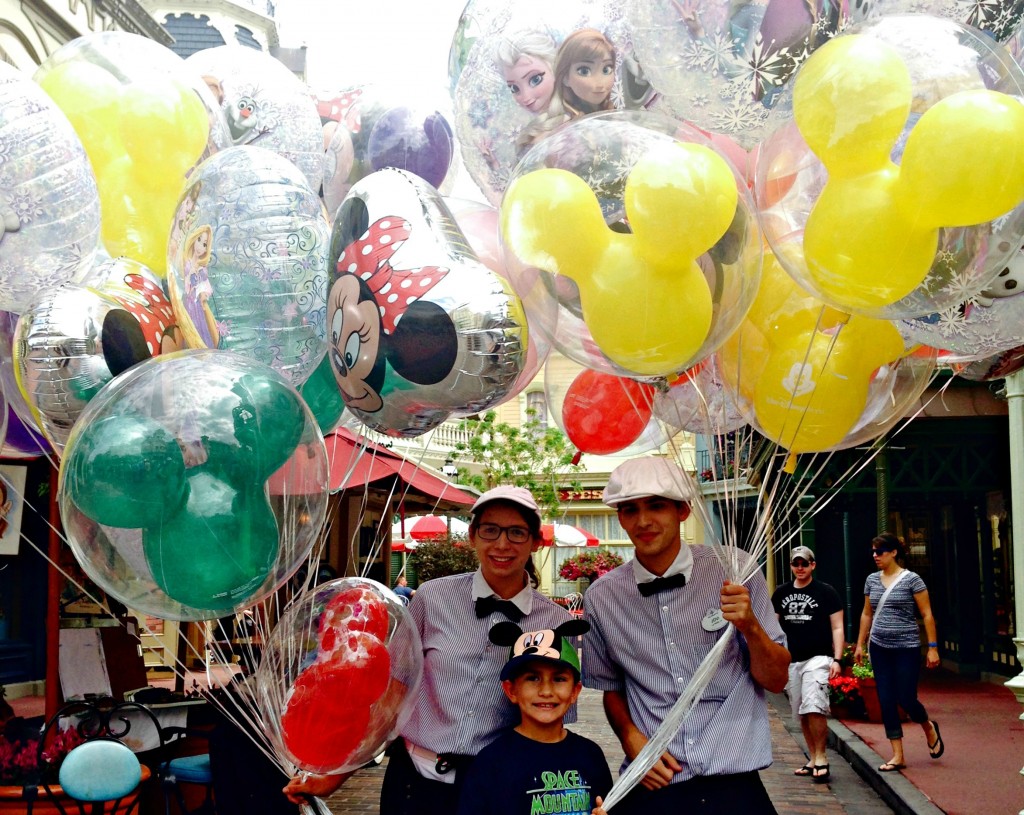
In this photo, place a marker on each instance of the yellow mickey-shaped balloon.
(814, 387)
(806, 368)
(964, 159)
(645, 300)
(850, 102)
(872, 235)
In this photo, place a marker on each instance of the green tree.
(539, 458)
(441, 557)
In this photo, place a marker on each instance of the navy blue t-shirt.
(515, 775)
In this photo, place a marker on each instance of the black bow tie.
(661, 584)
(485, 606)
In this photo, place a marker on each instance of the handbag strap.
(882, 599)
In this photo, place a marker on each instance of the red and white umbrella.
(567, 535)
(424, 527)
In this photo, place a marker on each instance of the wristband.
(933, 645)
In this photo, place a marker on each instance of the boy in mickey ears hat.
(538, 766)
(653, 621)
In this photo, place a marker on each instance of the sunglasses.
(879, 552)
(800, 563)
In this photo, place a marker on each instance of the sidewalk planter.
(12, 801)
(869, 693)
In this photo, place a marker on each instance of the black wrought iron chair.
(102, 773)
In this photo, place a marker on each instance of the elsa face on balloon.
(526, 61)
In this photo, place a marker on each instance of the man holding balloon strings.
(653, 620)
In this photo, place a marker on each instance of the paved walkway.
(846, 793)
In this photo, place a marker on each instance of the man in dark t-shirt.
(811, 614)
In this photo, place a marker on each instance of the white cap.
(515, 495)
(802, 551)
(647, 476)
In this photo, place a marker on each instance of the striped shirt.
(461, 707)
(896, 626)
(649, 647)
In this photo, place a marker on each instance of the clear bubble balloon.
(892, 187)
(989, 323)
(49, 204)
(145, 120)
(514, 70)
(999, 19)
(194, 485)
(812, 378)
(247, 260)
(338, 675)
(722, 64)
(264, 104)
(633, 241)
(601, 413)
(698, 401)
(368, 128)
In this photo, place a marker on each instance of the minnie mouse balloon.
(49, 205)
(247, 261)
(418, 327)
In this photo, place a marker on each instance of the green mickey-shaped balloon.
(218, 549)
(267, 419)
(125, 470)
(323, 396)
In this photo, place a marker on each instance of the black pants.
(896, 673)
(706, 795)
(406, 792)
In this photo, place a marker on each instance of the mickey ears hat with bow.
(547, 645)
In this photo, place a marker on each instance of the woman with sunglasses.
(888, 623)
(461, 707)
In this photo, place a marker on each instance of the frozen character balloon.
(198, 290)
(526, 60)
(585, 73)
(367, 302)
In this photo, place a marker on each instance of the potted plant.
(844, 695)
(589, 565)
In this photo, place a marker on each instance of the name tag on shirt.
(713, 620)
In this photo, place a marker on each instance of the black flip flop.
(825, 775)
(807, 769)
(938, 743)
(890, 767)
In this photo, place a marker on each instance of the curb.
(893, 788)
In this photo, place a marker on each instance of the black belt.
(446, 762)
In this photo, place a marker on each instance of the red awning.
(355, 462)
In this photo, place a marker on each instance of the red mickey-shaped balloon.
(356, 609)
(319, 735)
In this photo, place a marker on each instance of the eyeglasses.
(515, 534)
(800, 563)
(880, 552)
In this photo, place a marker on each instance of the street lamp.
(449, 469)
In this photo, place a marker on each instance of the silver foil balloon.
(49, 205)
(247, 261)
(417, 326)
(59, 357)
